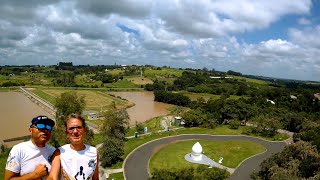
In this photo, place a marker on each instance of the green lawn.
(116, 176)
(250, 80)
(43, 95)
(95, 100)
(233, 153)
(163, 72)
(121, 84)
(139, 80)
(133, 143)
(153, 125)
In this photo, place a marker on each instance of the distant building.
(221, 77)
(178, 121)
(91, 115)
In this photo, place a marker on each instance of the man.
(76, 160)
(32, 159)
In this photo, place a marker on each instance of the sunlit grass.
(233, 152)
(121, 84)
(95, 100)
(139, 80)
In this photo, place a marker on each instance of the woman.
(75, 160)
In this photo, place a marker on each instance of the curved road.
(136, 163)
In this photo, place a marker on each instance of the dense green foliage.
(199, 173)
(69, 102)
(298, 161)
(171, 98)
(113, 131)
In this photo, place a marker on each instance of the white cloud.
(179, 33)
(132, 8)
(304, 21)
(306, 37)
(205, 18)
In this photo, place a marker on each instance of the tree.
(66, 104)
(194, 118)
(113, 131)
(298, 161)
(139, 128)
(234, 124)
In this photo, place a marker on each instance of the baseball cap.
(42, 119)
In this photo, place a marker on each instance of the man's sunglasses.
(43, 127)
(72, 128)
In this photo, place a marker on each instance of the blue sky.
(275, 38)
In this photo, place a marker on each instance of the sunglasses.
(43, 127)
(72, 128)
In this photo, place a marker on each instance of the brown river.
(17, 111)
(145, 108)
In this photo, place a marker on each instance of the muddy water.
(145, 108)
(16, 112)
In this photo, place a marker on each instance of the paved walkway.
(136, 163)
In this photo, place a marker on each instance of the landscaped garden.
(133, 143)
(233, 153)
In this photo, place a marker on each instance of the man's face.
(75, 131)
(40, 134)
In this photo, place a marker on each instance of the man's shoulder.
(50, 148)
(64, 147)
(20, 148)
(22, 145)
(91, 149)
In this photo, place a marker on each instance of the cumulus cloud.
(216, 18)
(178, 33)
(131, 8)
(306, 37)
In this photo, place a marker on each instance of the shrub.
(234, 124)
(201, 172)
(139, 128)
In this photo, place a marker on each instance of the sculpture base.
(207, 161)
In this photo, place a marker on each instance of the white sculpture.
(197, 157)
(196, 153)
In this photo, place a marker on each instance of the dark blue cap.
(42, 119)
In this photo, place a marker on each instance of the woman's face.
(75, 131)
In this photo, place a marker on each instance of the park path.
(136, 163)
